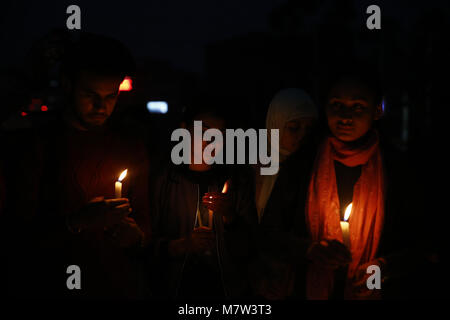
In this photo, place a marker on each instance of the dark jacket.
(60, 170)
(283, 236)
(175, 197)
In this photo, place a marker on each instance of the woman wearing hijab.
(278, 197)
(294, 114)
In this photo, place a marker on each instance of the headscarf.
(323, 208)
(287, 105)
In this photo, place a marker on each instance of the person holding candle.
(79, 155)
(195, 259)
(354, 167)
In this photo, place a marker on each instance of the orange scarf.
(323, 209)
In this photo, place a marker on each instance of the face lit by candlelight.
(94, 98)
(351, 109)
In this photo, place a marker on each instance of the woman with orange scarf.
(349, 168)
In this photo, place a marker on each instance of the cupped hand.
(330, 254)
(125, 234)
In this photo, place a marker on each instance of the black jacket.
(175, 196)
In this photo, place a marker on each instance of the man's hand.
(330, 254)
(100, 213)
(125, 234)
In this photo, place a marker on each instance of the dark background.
(242, 53)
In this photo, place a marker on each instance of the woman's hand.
(219, 203)
(202, 241)
(359, 281)
(329, 254)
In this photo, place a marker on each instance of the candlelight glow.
(225, 187)
(126, 84)
(348, 211)
(123, 175)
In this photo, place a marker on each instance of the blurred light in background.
(44, 108)
(126, 85)
(35, 104)
(157, 107)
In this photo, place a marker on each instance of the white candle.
(210, 218)
(345, 226)
(118, 186)
(210, 212)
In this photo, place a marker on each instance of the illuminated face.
(94, 98)
(351, 110)
(294, 132)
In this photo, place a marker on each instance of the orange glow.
(348, 211)
(225, 187)
(126, 85)
(123, 175)
(44, 108)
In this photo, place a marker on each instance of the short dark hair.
(361, 72)
(99, 55)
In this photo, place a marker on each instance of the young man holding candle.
(354, 167)
(196, 259)
(77, 218)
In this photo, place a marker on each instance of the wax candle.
(118, 185)
(345, 225)
(210, 212)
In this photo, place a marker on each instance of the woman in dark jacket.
(356, 173)
(385, 231)
(202, 237)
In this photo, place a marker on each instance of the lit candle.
(225, 187)
(210, 212)
(119, 184)
(345, 225)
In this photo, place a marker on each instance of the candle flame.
(123, 175)
(348, 211)
(225, 187)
